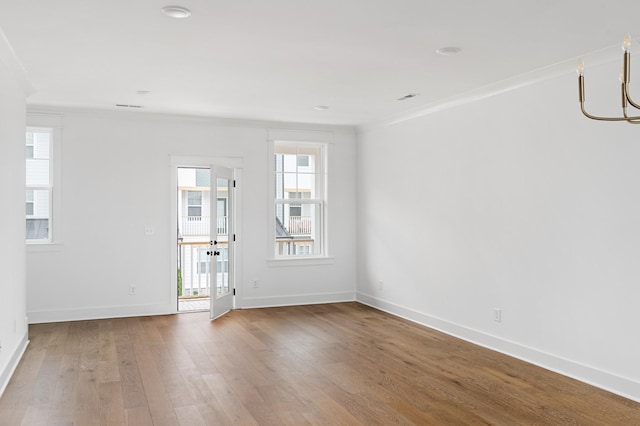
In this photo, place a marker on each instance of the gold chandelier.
(624, 88)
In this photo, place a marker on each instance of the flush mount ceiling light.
(321, 107)
(625, 76)
(177, 12)
(448, 51)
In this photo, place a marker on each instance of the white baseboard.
(610, 382)
(303, 299)
(37, 317)
(7, 372)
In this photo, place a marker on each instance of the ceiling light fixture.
(321, 107)
(448, 51)
(177, 12)
(624, 87)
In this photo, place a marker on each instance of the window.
(194, 203)
(39, 188)
(30, 145)
(30, 203)
(299, 199)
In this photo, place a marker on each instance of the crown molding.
(203, 119)
(595, 58)
(10, 62)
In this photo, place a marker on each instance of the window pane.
(38, 182)
(194, 198)
(298, 229)
(37, 210)
(298, 175)
(203, 177)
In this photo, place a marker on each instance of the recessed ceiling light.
(448, 51)
(321, 107)
(177, 12)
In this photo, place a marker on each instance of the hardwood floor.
(321, 364)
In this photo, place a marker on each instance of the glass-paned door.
(222, 185)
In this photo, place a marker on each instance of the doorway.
(205, 242)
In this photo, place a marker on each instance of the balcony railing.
(191, 226)
(299, 225)
(195, 268)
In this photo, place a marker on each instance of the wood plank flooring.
(336, 364)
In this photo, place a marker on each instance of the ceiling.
(277, 59)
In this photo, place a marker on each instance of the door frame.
(176, 161)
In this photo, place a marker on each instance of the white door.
(222, 241)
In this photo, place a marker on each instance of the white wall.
(515, 202)
(116, 181)
(13, 324)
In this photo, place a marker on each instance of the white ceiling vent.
(407, 96)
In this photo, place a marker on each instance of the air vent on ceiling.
(128, 106)
(408, 96)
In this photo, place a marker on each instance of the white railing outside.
(197, 269)
(299, 225)
(191, 226)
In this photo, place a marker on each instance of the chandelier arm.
(628, 97)
(635, 120)
(630, 120)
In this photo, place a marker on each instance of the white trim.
(301, 261)
(322, 188)
(140, 115)
(10, 61)
(232, 162)
(598, 57)
(608, 381)
(295, 300)
(46, 316)
(7, 373)
(44, 119)
(235, 163)
(52, 123)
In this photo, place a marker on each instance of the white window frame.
(51, 123)
(314, 139)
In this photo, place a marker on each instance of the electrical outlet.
(132, 290)
(256, 284)
(148, 230)
(497, 315)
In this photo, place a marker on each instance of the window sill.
(301, 261)
(43, 246)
